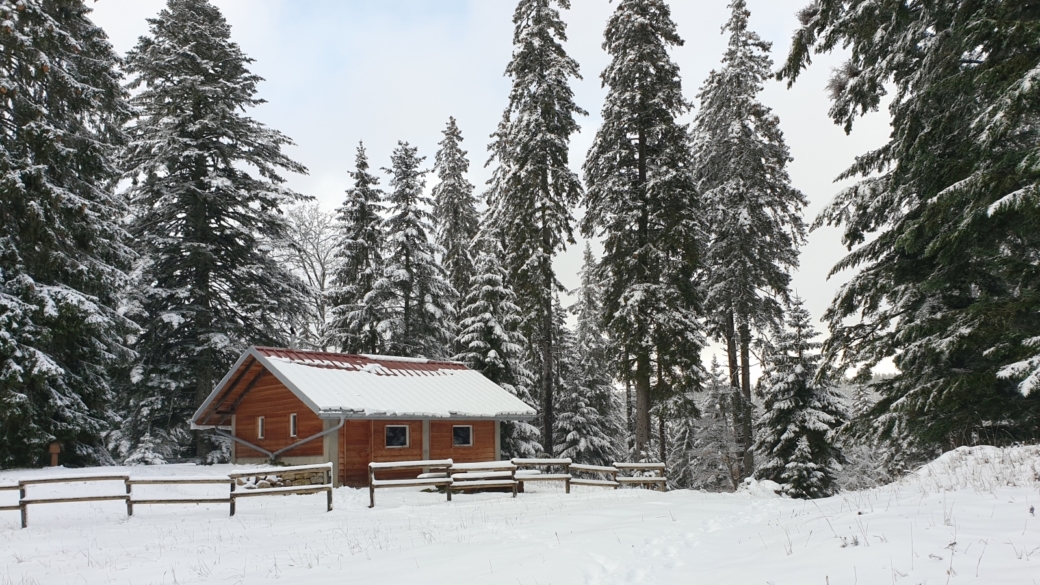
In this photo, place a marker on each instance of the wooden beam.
(243, 370)
(241, 396)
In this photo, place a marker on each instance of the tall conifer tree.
(533, 188)
(754, 215)
(944, 223)
(491, 341)
(798, 428)
(413, 293)
(207, 287)
(455, 209)
(590, 426)
(357, 315)
(642, 200)
(62, 253)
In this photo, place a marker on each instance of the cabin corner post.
(331, 450)
(426, 439)
(498, 440)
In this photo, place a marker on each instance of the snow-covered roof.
(367, 386)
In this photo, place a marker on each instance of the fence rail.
(318, 480)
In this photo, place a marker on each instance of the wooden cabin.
(304, 407)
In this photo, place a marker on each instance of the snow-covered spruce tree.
(703, 452)
(797, 432)
(754, 215)
(491, 341)
(62, 253)
(360, 263)
(206, 192)
(533, 189)
(454, 209)
(309, 249)
(412, 293)
(642, 200)
(944, 224)
(589, 425)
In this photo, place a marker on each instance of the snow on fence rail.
(525, 473)
(303, 479)
(434, 474)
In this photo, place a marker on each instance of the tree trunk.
(548, 415)
(737, 409)
(203, 386)
(629, 421)
(745, 390)
(642, 402)
(664, 451)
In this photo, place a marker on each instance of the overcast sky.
(340, 71)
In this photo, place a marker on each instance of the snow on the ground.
(962, 519)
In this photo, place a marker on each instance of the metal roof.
(368, 386)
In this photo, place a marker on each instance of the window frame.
(261, 428)
(472, 440)
(294, 428)
(407, 437)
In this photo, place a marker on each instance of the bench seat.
(422, 481)
(595, 482)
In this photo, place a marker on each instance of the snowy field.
(963, 519)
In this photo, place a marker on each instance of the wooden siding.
(355, 452)
(270, 399)
(483, 448)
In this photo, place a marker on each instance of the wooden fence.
(318, 479)
(511, 475)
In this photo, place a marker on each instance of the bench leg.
(566, 486)
(330, 500)
(448, 489)
(129, 508)
(232, 504)
(25, 515)
(371, 496)
(514, 489)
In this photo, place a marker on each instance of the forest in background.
(147, 238)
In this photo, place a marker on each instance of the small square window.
(396, 436)
(292, 425)
(462, 436)
(260, 427)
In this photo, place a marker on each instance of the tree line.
(147, 237)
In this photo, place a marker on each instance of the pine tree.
(533, 188)
(754, 214)
(492, 343)
(359, 253)
(208, 286)
(63, 255)
(802, 413)
(943, 224)
(455, 209)
(642, 200)
(589, 427)
(413, 292)
(715, 453)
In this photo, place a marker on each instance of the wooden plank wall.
(272, 400)
(483, 448)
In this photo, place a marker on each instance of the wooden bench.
(325, 486)
(176, 480)
(434, 474)
(524, 473)
(658, 480)
(595, 470)
(24, 502)
(483, 475)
